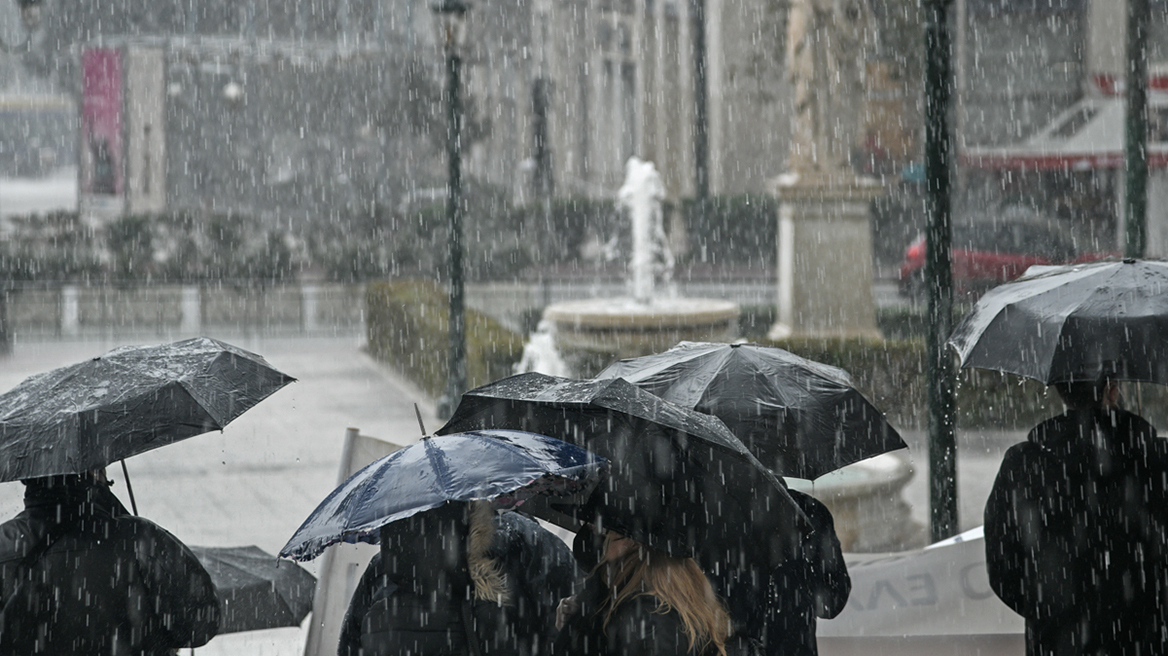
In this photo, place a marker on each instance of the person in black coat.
(779, 609)
(80, 575)
(642, 602)
(1075, 529)
(815, 585)
(459, 580)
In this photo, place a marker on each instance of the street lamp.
(451, 23)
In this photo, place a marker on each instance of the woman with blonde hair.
(642, 602)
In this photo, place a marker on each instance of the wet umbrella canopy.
(1073, 323)
(509, 466)
(256, 591)
(800, 418)
(680, 481)
(128, 401)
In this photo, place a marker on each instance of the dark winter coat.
(637, 628)
(411, 597)
(1075, 535)
(781, 610)
(82, 576)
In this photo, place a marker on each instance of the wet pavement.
(258, 479)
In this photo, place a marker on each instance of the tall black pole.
(543, 181)
(939, 273)
(456, 383)
(1136, 131)
(701, 137)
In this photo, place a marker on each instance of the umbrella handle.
(129, 488)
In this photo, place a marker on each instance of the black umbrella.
(1073, 323)
(505, 465)
(679, 480)
(128, 401)
(799, 417)
(256, 590)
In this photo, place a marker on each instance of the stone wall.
(53, 311)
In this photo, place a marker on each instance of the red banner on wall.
(101, 122)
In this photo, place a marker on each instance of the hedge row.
(891, 374)
(408, 325)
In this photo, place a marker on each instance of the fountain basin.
(865, 499)
(591, 334)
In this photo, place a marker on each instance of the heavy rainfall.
(583, 327)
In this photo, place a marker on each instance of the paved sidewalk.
(255, 482)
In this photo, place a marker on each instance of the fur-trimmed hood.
(489, 580)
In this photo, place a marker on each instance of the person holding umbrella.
(1077, 520)
(802, 419)
(453, 577)
(509, 569)
(79, 574)
(1076, 526)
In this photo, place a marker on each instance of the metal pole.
(539, 125)
(5, 327)
(701, 137)
(456, 383)
(939, 273)
(1136, 132)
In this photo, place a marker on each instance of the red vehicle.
(988, 253)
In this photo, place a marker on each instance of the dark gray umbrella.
(679, 479)
(799, 417)
(1073, 323)
(128, 401)
(255, 589)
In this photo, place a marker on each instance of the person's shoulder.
(1052, 432)
(145, 535)
(1134, 424)
(814, 508)
(1032, 447)
(16, 536)
(641, 627)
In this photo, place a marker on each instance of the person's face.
(1112, 395)
(617, 545)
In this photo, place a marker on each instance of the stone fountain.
(590, 334)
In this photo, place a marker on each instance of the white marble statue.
(826, 42)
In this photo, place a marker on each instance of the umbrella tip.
(420, 424)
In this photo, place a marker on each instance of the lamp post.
(451, 20)
(939, 274)
(1136, 131)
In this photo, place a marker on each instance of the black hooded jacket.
(780, 610)
(416, 595)
(640, 626)
(80, 575)
(1076, 535)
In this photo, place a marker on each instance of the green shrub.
(892, 375)
(408, 326)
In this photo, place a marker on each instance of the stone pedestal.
(825, 257)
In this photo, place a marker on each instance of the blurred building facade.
(291, 109)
